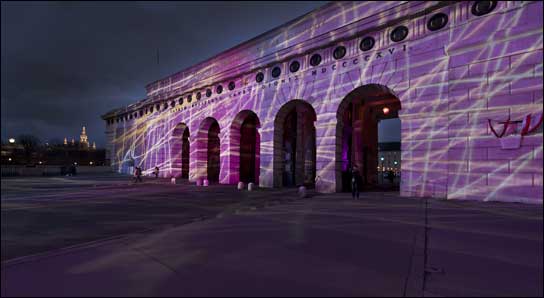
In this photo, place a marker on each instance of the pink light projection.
(455, 70)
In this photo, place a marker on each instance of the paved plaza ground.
(159, 239)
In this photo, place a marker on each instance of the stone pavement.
(327, 245)
(41, 214)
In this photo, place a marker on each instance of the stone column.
(224, 150)
(270, 153)
(198, 148)
(231, 145)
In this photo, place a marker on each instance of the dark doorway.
(248, 144)
(185, 155)
(295, 145)
(357, 135)
(290, 149)
(180, 151)
(213, 153)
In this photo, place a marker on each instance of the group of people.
(355, 178)
(138, 174)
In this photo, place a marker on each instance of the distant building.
(9, 151)
(83, 141)
(389, 156)
(55, 154)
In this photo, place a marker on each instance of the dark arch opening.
(358, 117)
(248, 146)
(295, 145)
(245, 144)
(213, 152)
(180, 151)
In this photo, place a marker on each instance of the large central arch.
(179, 151)
(245, 143)
(208, 146)
(357, 132)
(295, 145)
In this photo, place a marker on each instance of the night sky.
(66, 63)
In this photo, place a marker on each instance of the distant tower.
(65, 141)
(94, 146)
(73, 142)
(83, 138)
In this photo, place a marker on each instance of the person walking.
(138, 175)
(156, 172)
(355, 177)
(391, 176)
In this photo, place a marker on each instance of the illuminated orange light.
(385, 110)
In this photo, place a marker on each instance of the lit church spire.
(83, 138)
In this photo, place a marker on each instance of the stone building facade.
(299, 104)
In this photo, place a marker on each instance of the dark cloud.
(66, 63)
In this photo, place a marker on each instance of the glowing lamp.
(9, 159)
(385, 110)
(382, 158)
(39, 162)
(11, 140)
(90, 162)
(395, 162)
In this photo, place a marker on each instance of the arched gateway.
(208, 146)
(245, 147)
(179, 153)
(294, 145)
(302, 103)
(357, 132)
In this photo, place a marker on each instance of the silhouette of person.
(138, 174)
(355, 177)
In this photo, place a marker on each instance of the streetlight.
(380, 173)
(11, 140)
(385, 110)
(9, 159)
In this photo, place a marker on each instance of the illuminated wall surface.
(482, 67)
